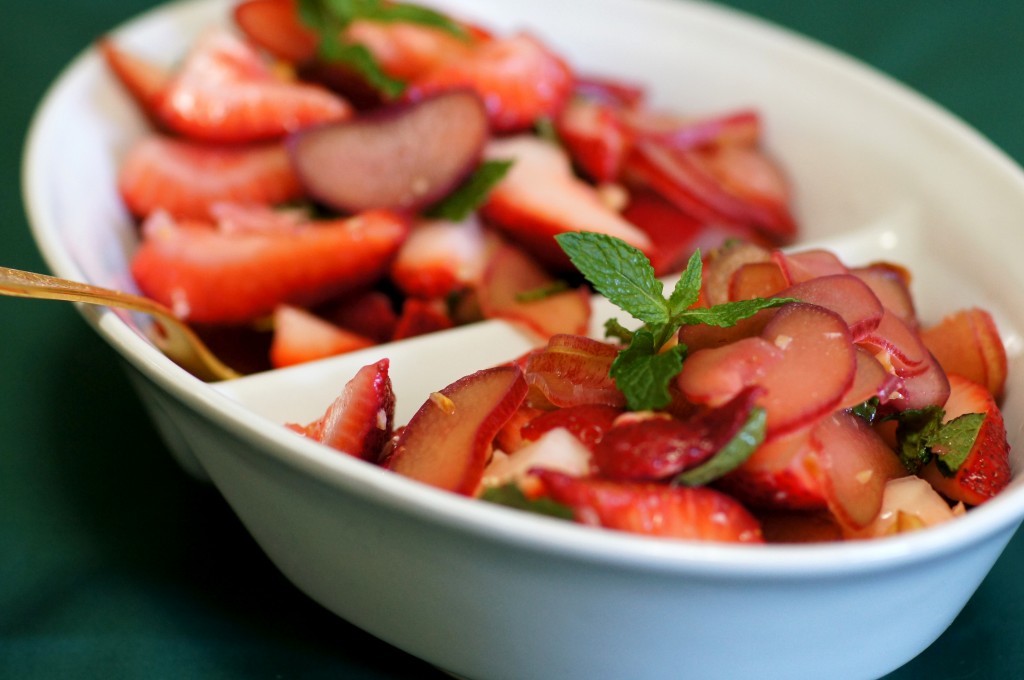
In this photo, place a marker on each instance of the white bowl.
(486, 592)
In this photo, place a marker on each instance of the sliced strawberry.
(360, 421)
(406, 51)
(448, 440)
(595, 138)
(510, 274)
(420, 317)
(700, 513)
(519, 79)
(300, 336)
(187, 178)
(674, 234)
(274, 25)
(652, 449)
(207, 276)
(144, 80)
(540, 197)
(967, 342)
(587, 422)
(783, 473)
(224, 92)
(986, 469)
(440, 258)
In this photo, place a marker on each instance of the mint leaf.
(620, 272)
(735, 452)
(458, 205)
(687, 289)
(868, 410)
(953, 441)
(643, 374)
(511, 495)
(914, 432)
(728, 313)
(330, 18)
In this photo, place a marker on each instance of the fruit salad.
(320, 177)
(770, 396)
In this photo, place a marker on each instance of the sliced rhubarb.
(448, 440)
(350, 166)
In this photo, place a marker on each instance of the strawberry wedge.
(225, 92)
(359, 422)
(653, 509)
(186, 178)
(208, 276)
(540, 197)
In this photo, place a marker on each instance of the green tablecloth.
(113, 563)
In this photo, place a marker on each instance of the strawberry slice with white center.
(275, 26)
(301, 336)
(442, 257)
(595, 137)
(699, 514)
(540, 197)
(207, 276)
(187, 178)
(225, 92)
(360, 421)
(519, 79)
(144, 80)
(983, 468)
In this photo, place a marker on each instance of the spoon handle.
(174, 338)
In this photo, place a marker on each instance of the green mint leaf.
(732, 455)
(687, 289)
(727, 313)
(915, 429)
(868, 410)
(408, 13)
(643, 374)
(332, 49)
(469, 195)
(329, 18)
(511, 495)
(620, 272)
(953, 441)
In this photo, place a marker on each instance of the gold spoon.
(173, 337)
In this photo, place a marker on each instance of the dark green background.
(114, 564)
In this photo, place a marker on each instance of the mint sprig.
(923, 437)
(624, 275)
(329, 18)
